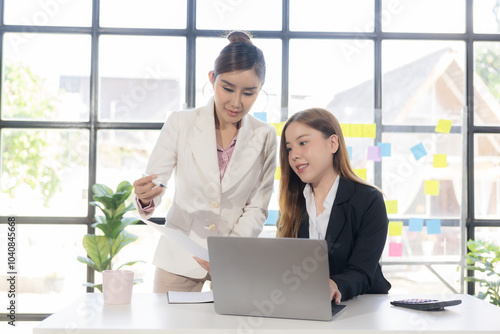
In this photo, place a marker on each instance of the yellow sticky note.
(395, 229)
(278, 127)
(369, 130)
(277, 174)
(361, 172)
(444, 126)
(391, 206)
(432, 188)
(357, 130)
(346, 129)
(439, 161)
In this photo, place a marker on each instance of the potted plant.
(484, 257)
(102, 248)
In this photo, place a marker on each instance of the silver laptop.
(268, 277)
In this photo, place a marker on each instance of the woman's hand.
(146, 190)
(334, 292)
(204, 264)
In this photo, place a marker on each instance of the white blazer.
(203, 204)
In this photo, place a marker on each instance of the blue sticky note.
(433, 226)
(261, 115)
(349, 151)
(273, 217)
(386, 149)
(415, 224)
(418, 151)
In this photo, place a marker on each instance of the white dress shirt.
(319, 224)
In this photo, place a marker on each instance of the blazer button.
(215, 204)
(212, 227)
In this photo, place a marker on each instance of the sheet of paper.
(179, 238)
(177, 297)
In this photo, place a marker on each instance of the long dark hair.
(240, 55)
(291, 199)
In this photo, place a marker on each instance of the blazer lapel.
(244, 155)
(337, 217)
(204, 145)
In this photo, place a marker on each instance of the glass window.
(404, 177)
(44, 172)
(141, 78)
(486, 17)
(50, 276)
(422, 82)
(268, 104)
(328, 15)
(337, 75)
(46, 77)
(48, 13)
(487, 176)
(423, 16)
(487, 83)
(238, 15)
(169, 14)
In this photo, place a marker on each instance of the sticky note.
(277, 174)
(444, 126)
(386, 149)
(357, 130)
(349, 151)
(369, 130)
(395, 229)
(433, 226)
(395, 249)
(391, 206)
(272, 218)
(261, 115)
(375, 153)
(361, 172)
(346, 129)
(415, 224)
(432, 187)
(278, 127)
(418, 151)
(440, 161)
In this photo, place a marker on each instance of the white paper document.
(179, 238)
(178, 297)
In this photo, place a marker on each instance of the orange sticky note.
(361, 172)
(279, 127)
(432, 188)
(391, 206)
(277, 174)
(440, 161)
(444, 126)
(395, 229)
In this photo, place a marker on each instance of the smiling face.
(310, 154)
(234, 95)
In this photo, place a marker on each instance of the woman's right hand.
(146, 190)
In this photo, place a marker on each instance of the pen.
(156, 181)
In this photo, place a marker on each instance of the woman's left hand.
(204, 264)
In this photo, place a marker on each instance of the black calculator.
(425, 304)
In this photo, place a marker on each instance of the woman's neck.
(322, 188)
(225, 132)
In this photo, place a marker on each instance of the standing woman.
(224, 162)
(322, 198)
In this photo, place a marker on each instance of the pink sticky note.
(374, 153)
(395, 249)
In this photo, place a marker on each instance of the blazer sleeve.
(163, 158)
(368, 245)
(255, 212)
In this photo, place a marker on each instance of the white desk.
(151, 313)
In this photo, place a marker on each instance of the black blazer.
(356, 236)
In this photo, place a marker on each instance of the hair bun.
(239, 37)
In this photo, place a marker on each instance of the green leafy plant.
(102, 248)
(484, 257)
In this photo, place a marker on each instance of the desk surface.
(151, 313)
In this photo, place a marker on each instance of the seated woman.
(322, 198)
